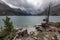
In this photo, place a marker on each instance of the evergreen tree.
(7, 31)
(8, 25)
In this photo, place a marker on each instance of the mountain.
(54, 11)
(20, 12)
(6, 10)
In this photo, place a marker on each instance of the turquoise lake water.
(19, 21)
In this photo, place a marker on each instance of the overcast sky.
(33, 6)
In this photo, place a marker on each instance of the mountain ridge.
(54, 11)
(6, 10)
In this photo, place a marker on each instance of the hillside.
(6, 10)
(54, 11)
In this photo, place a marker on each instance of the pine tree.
(8, 25)
(7, 31)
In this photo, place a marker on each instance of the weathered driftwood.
(21, 33)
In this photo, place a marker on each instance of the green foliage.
(8, 25)
(7, 31)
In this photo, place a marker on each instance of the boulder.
(39, 29)
(22, 33)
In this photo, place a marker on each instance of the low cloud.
(32, 6)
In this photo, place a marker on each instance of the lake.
(26, 21)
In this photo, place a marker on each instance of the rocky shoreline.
(51, 32)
